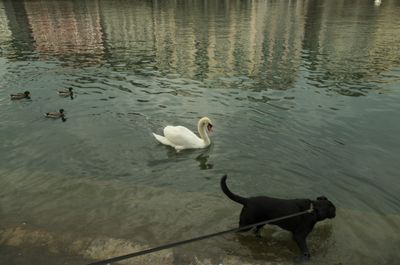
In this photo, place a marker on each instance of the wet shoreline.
(150, 220)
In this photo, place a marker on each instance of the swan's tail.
(163, 140)
(228, 193)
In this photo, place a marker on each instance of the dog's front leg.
(300, 239)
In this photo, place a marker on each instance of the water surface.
(304, 99)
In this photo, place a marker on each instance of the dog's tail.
(228, 193)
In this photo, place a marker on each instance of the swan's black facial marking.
(209, 127)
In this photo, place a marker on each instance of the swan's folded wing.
(163, 140)
(182, 136)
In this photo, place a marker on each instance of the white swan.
(180, 137)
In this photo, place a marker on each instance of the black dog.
(262, 208)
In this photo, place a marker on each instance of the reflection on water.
(58, 29)
(173, 156)
(214, 41)
(203, 159)
(304, 96)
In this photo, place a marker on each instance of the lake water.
(304, 97)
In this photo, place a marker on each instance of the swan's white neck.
(201, 127)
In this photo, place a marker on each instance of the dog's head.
(324, 208)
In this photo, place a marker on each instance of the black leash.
(174, 244)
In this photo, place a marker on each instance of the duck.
(180, 137)
(56, 115)
(66, 93)
(26, 94)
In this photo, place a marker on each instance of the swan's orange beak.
(210, 127)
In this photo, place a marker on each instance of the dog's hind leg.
(257, 231)
(245, 219)
(243, 230)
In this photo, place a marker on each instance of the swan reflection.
(202, 157)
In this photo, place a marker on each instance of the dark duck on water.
(66, 93)
(26, 94)
(56, 115)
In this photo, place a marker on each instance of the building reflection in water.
(347, 42)
(267, 42)
(5, 32)
(129, 28)
(66, 28)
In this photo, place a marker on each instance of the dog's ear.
(322, 198)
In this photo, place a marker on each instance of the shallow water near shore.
(130, 220)
(304, 98)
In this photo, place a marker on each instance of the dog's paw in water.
(305, 258)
